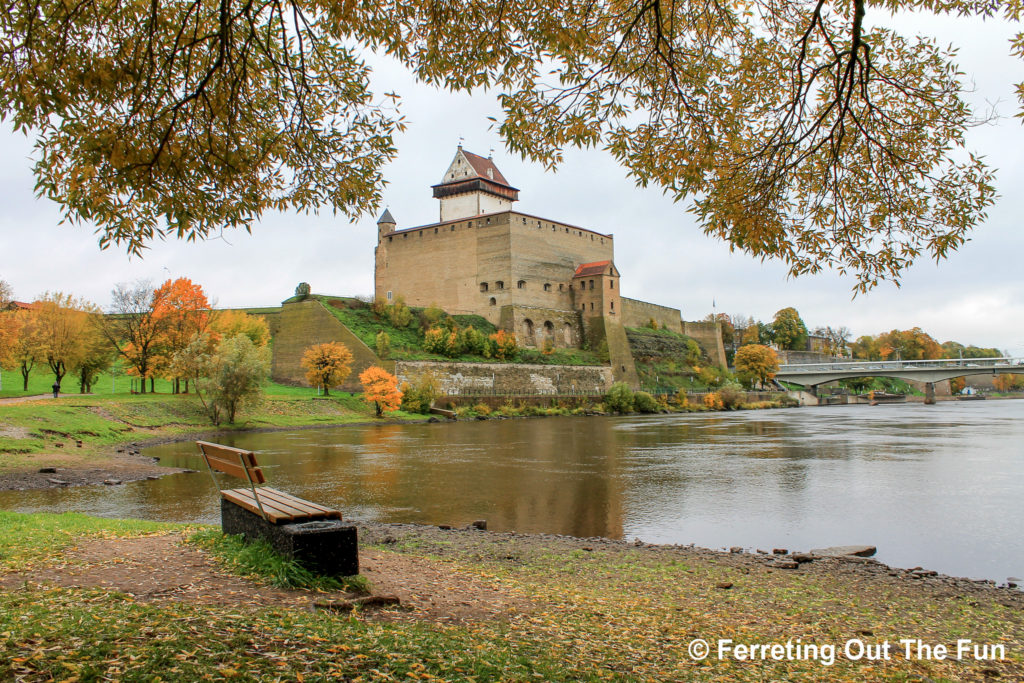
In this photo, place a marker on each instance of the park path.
(22, 399)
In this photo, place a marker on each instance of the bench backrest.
(233, 461)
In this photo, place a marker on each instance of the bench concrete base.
(328, 547)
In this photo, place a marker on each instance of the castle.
(549, 282)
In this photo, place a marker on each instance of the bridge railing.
(860, 366)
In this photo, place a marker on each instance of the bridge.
(928, 371)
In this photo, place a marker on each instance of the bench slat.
(275, 512)
(289, 499)
(232, 461)
(281, 507)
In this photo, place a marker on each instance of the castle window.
(591, 284)
(611, 305)
(547, 286)
(549, 330)
(452, 229)
(421, 233)
(521, 284)
(499, 285)
(591, 305)
(553, 228)
(494, 302)
(561, 286)
(611, 284)
(405, 235)
(435, 231)
(583, 307)
(483, 286)
(390, 238)
(591, 238)
(488, 221)
(389, 296)
(567, 229)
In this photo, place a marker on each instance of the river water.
(935, 486)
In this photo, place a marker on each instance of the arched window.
(483, 286)
(549, 330)
(521, 284)
(528, 332)
(494, 302)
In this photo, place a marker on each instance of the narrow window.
(390, 238)
(404, 235)
(483, 286)
(611, 304)
(591, 305)
(611, 284)
(389, 296)
(435, 231)
(499, 285)
(591, 284)
(452, 229)
(583, 307)
(561, 286)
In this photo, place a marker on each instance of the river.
(940, 487)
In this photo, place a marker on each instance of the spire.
(386, 217)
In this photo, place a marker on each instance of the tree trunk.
(25, 370)
(142, 384)
(152, 382)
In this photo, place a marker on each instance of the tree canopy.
(795, 129)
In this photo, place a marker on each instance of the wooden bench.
(306, 531)
(273, 505)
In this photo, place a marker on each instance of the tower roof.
(386, 217)
(470, 172)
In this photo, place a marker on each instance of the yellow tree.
(232, 323)
(65, 328)
(380, 389)
(327, 365)
(180, 311)
(756, 362)
(805, 131)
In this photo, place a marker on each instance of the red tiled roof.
(595, 268)
(22, 305)
(481, 165)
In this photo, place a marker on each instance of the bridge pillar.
(929, 393)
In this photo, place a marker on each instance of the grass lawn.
(607, 612)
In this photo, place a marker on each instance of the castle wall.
(709, 336)
(531, 326)
(445, 264)
(472, 204)
(494, 378)
(639, 314)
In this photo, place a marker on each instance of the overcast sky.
(975, 297)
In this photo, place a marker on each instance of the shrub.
(441, 341)
(383, 344)
(472, 341)
(482, 409)
(399, 314)
(379, 307)
(619, 398)
(713, 401)
(502, 345)
(645, 403)
(432, 316)
(731, 395)
(420, 396)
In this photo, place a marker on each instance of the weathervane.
(461, 140)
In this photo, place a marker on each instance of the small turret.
(386, 223)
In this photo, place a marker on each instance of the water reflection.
(934, 486)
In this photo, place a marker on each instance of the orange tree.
(327, 364)
(182, 311)
(380, 389)
(756, 362)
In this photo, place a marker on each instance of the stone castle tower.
(547, 281)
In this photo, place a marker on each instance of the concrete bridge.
(928, 371)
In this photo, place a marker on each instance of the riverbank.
(81, 440)
(132, 600)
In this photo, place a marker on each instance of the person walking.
(56, 389)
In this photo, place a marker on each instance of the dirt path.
(157, 568)
(23, 399)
